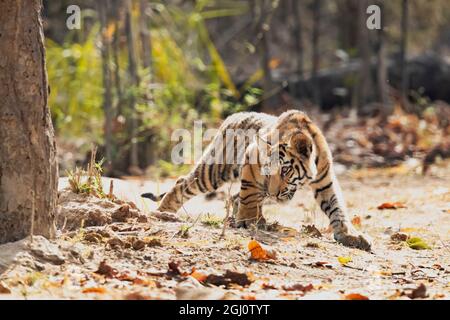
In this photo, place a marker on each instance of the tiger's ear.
(301, 144)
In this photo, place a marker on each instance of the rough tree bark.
(315, 51)
(382, 70)
(403, 54)
(28, 168)
(298, 42)
(107, 87)
(115, 56)
(132, 69)
(364, 84)
(263, 28)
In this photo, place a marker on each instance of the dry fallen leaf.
(268, 286)
(321, 264)
(229, 278)
(174, 269)
(99, 290)
(199, 276)
(4, 289)
(419, 292)
(299, 287)
(391, 205)
(106, 270)
(356, 221)
(355, 296)
(344, 260)
(257, 252)
(417, 243)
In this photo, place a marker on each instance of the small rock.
(192, 293)
(142, 219)
(399, 237)
(127, 244)
(154, 242)
(104, 233)
(44, 249)
(136, 296)
(39, 266)
(148, 257)
(93, 237)
(166, 216)
(115, 243)
(312, 231)
(121, 214)
(138, 245)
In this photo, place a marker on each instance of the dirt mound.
(78, 209)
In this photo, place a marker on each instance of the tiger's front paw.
(355, 240)
(247, 223)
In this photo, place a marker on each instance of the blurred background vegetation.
(138, 69)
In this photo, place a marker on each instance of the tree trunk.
(269, 99)
(364, 80)
(115, 56)
(107, 93)
(28, 168)
(132, 69)
(298, 41)
(145, 34)
(403, 53)
(315, 51)
(382, 71)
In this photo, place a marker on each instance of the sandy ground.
(158, 259)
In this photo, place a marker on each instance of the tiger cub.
(302, 158)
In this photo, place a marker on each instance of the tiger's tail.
(153, 197)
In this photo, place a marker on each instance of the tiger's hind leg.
(204, 178)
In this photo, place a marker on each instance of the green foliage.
(211, 221)
(187, 80)
(75, 77)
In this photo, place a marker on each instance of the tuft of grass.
(89, 181)
(184, 231)
(211, 220)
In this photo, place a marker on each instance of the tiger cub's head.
(296, 166)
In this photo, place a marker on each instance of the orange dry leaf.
(356, 221)
(201, 277)
(355, 296)
(94, 290)
(258, 252)
(391, 205)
